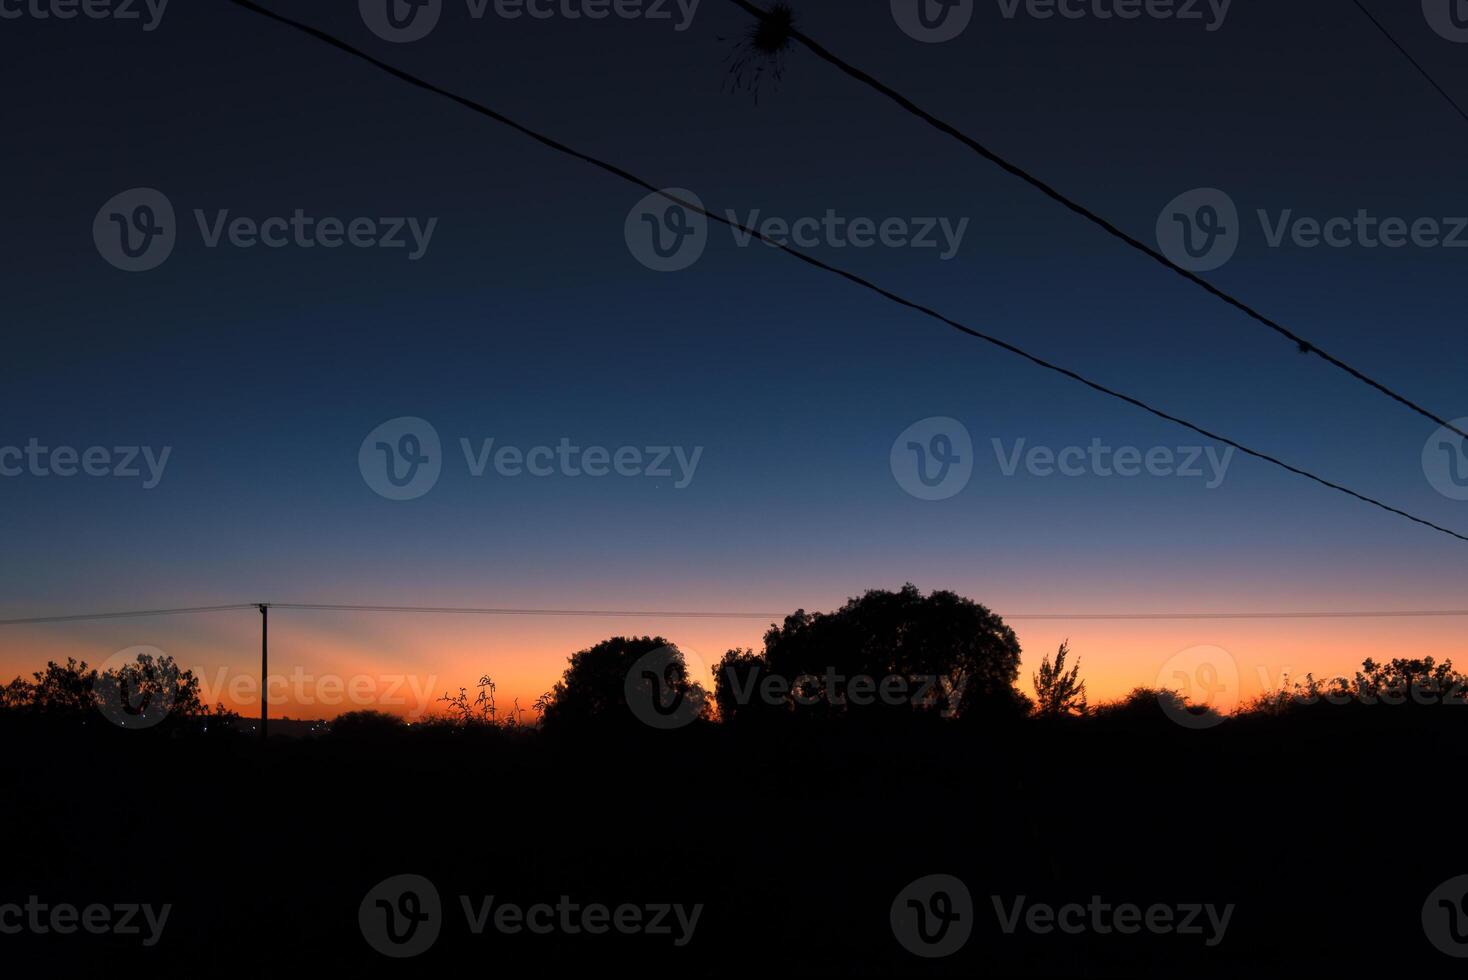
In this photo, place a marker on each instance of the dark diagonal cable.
(1414, 62)
(1305, 346)
(825, 267)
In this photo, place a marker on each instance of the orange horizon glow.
(325, 664)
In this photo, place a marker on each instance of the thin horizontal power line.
(690, 614)
(1370, 614)
(1304, 345)
(77, 617)
(727, 614)
(501, 611)
(811, 260)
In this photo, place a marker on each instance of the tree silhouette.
(736, 684)
(593, 689)
(64, 689)
(1401, 680)
(1407, 679)
(955, 649)
(149, 690)
(16, 694)
(1059, 691)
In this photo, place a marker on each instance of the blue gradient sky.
(528, 320)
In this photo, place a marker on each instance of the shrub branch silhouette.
(1059, 691)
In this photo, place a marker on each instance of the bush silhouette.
(367, 724)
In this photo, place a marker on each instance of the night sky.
(527, 319)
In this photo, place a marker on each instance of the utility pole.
(264, 666)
